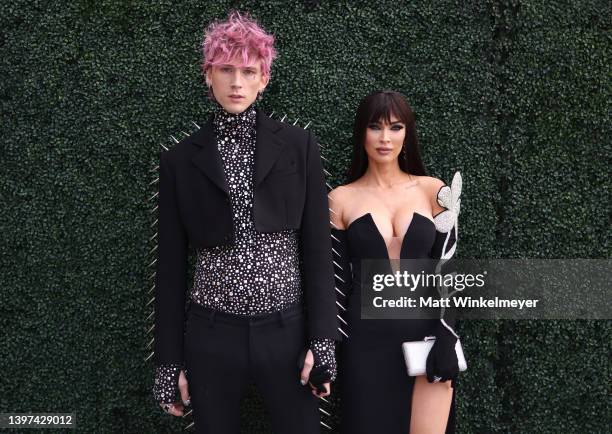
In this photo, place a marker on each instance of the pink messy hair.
(239, 36)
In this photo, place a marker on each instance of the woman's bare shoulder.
(431, 181)
(343, 192)
(339, 198)
(431, 186)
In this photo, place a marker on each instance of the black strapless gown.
(376, 391)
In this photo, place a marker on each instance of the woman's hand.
(442, 363)
(177, 409)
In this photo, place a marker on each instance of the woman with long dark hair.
(390, 209)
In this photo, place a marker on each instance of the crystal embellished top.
(259, 272)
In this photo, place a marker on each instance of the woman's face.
(383, 141)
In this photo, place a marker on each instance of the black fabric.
(448, 266)
(342, 274)
(224, 353)
(376, 391)
(442, 358)
(195, 210)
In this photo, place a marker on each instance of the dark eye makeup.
(395, 127)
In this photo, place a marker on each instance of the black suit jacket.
(194, 211)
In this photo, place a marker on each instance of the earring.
(404, 153)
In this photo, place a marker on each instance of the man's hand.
(305, 377)
(177, 409)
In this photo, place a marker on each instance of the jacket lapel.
(268, 146)
(208, 159)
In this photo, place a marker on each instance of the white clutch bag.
(415, 355)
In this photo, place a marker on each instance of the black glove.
(442, 360)
(319, 374)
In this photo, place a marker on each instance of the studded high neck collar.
(226, 122)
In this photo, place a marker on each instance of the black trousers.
(225, 352)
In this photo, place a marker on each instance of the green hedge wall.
(513, 94)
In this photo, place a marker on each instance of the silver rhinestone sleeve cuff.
(165, 387)
(324, 354)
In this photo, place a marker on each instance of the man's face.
(235, 87)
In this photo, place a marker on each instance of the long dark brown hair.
(377, 107)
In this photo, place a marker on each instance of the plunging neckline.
(379, 234)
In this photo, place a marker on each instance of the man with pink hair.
(248, 194)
